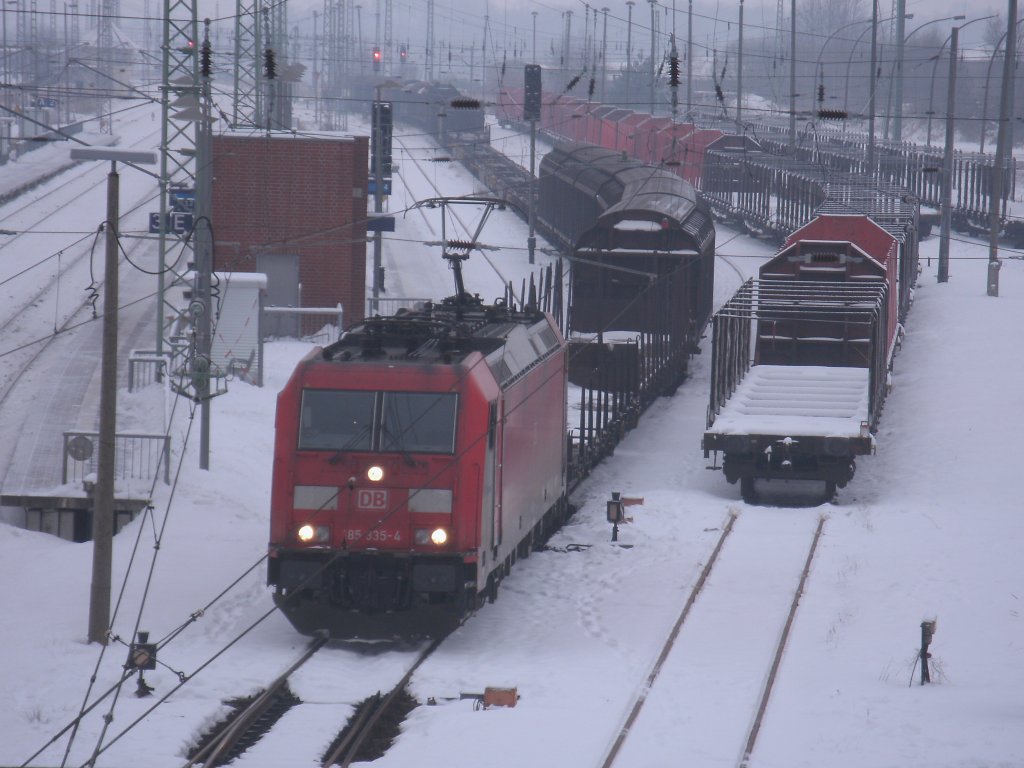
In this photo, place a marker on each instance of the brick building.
(295, 209)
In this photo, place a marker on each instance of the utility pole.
(629, 47)
(103, 502)
(897, 125)
(947, 161)
(428, 65)
(483, 65)
(567, 48)
(604, 53)
(103, 492)
(792, 75)
(316, 77)
(739, 78)
(1003, 149)
(654, 4)
(202, 306)
(689, 57)
(874, 87)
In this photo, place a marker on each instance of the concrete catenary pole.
(896, 87)
(874, 87)
(629, 46)
(1003, 149)
(739, 78)
(947, 160)
(654, 45)
(604, 53)
(792, 75)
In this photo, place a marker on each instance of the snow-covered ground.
(927, 529)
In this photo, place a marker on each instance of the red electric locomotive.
(415, 459)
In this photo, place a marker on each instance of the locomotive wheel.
(525, 546)
(747, 490)
(492, 588)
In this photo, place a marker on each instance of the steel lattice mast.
(248, 86)
(177, 138)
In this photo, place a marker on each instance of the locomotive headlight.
(314, 534)
(437, 536)
(375, 474)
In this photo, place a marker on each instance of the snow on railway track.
(760, 577)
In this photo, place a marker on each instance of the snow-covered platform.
(797, 401)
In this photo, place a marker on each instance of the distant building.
(294, 208)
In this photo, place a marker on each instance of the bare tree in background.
(823, 17)
(995, 31)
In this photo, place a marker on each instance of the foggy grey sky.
(509, 25)
(460, 25)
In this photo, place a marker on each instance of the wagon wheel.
(747, 491)
(830, 492)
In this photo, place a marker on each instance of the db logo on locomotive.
(374, 499)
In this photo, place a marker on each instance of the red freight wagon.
(842, 249)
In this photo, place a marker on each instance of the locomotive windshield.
(400, 422)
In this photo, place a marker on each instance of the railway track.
(34, 310)
(467, 230)
(278, 722)
(698, 656)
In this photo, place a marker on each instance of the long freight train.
(801, 357)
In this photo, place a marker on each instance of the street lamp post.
(988, 76)
(103, 494)
(817, 64)
(849, 60)
(896, 77)
(935, 67)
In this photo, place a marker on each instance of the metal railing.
(386, 307)
(321, 325)
(145, 368)
(136, 456)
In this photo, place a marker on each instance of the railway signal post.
(531, 111)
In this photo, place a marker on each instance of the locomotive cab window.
(402, 422)
(336, 420)
(418, 422)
